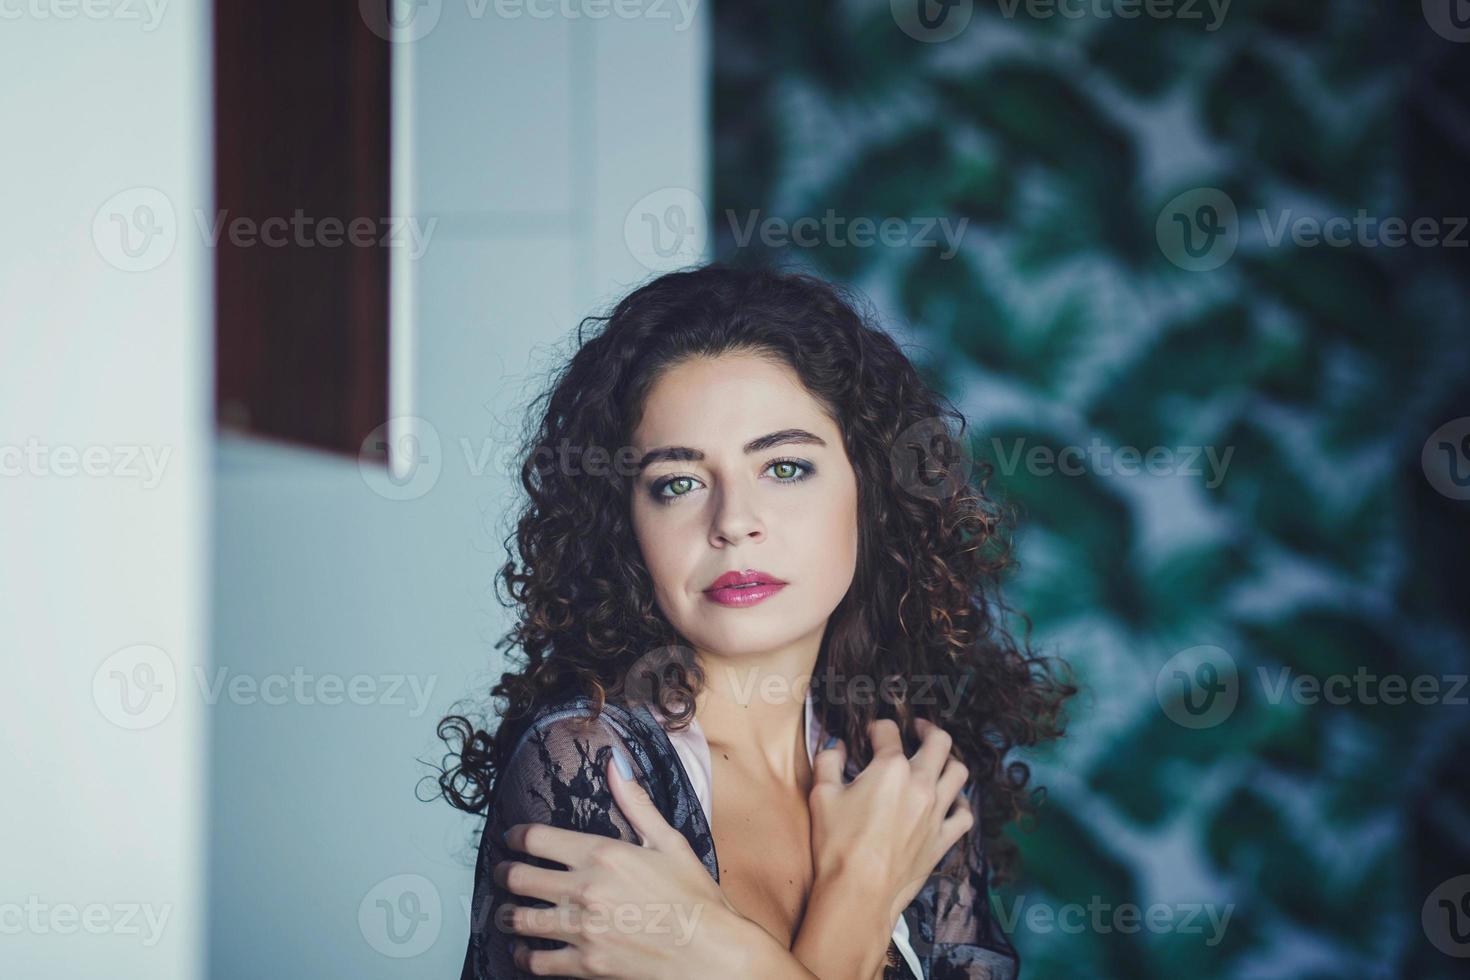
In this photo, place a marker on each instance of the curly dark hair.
(925, 599)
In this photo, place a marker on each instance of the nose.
(735, 520)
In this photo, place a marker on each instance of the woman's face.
(734, 500)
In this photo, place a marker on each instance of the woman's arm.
(875, 842)
(842, 934)
(561, 848)
(553, 778)
(562, 777)
(648, 911)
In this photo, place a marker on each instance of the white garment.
(693, 750)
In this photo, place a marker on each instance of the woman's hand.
(891, 825)
(626, 910)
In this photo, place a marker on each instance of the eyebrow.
(781, 437)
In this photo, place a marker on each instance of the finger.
(933, 750)
(951, 781)
(636, 805)
(529, 881)
(565, 962)
(829, 764)
(884, 735)
(545, 923)
(572, 848)
(961, 819)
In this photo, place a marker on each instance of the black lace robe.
(556, 776)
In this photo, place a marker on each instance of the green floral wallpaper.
(1197, 273)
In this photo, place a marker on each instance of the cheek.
(662, 547)
(848, 531)
(831, 536)
(648, 542)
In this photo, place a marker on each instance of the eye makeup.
(804, 469)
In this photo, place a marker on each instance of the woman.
(762, 723)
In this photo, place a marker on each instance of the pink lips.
(743, 588)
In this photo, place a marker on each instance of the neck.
(752, 708)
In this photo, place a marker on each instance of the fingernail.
(505, 836)
(621, 761)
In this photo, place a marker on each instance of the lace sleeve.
(954, 930)
(556, 776)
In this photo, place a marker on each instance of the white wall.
(531, 140)
(104, 358)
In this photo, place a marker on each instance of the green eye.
(677, 480)
(794, 470)
(784, 470)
